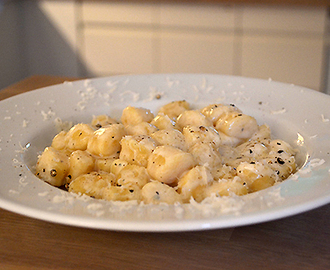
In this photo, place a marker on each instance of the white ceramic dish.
(295, 114)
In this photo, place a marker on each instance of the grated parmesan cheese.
(279, 111)
(324, 119)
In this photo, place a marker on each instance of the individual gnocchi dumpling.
(170, 137)
(136, 149)
(282, 158)
(133, 116)
(174, 109)
(237, 125)
(117, 165)
(253, 149)
(78, 136)
(92, 184)
(192, 184)
(205, 154)
(192, 118)
(223, 171)
(163, 121)
(104, 164)
(122, 193)
(227, 188)
(133, 175)
(142, 128)
(281, 147)
(156, 192)
(80, 163)
(105, 141)
(215, 111)
(58, 141)
(228, 140)
(167, 163)
(195, 134)
(53, 166)
(256, 175)
(102, 121)
(283, 165)
(263, 133)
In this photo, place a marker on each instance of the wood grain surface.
(297, 242)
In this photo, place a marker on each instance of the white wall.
(37, 37)
(62, 37)
(50, 36)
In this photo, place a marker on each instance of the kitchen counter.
(298, 242)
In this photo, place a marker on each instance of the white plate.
(295, 114)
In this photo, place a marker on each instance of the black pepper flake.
(250, 151)
(80, 133)
(252, 162)
(157, 192)
(53, 173)
(280, 161)
(278, 143)
(280, 151)
(131, 190)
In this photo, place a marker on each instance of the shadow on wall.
(11, 57)
(35, 46)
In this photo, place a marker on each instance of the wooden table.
(298, 242)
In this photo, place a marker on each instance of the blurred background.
(270, 39)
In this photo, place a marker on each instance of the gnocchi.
(175, 156)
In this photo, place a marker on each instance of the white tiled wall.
(287, 20)
(50, 39)
(197, 16)
(118, 51)
(117, 12)
(196, 52)
(144, 38)
(285, 44)
(297, 60)
(98, 38)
